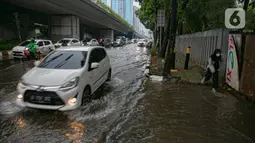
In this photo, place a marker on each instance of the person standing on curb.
(213, 69)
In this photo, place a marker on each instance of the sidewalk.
(194, 73)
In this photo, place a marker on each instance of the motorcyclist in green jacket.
(32, 48)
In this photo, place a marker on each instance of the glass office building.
(122, 7)
(115, 5)
(128, 11)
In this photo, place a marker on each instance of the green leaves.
(198, 15)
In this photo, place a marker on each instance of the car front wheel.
(86, 96)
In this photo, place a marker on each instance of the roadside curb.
(6, 55)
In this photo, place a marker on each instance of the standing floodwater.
(126, 110)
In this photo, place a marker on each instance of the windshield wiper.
(54, 58)
(63, 62)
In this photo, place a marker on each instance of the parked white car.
(65, 79)
(45, 47)
(142, 43)
(67, 42)
(93, 42)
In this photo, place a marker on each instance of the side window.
(40, 43)
(94, 56)
(102, 54)
(75, 41)
(46, 43)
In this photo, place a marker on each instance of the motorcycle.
(28, 56)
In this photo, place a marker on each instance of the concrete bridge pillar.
(64, 26)
(107, 34)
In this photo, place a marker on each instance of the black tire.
(86, 96)
(109, 77)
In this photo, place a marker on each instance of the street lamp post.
(245, 7)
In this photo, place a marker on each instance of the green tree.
(173, 27)
(201, 15)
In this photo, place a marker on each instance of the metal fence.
(203, 44)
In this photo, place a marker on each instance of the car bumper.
(141, 45)
(64, 96)
(18, 55)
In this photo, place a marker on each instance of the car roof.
(69, 39)
(38, 40)
(42, 40)
(78, 48)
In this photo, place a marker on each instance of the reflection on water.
(77, 132)
(21, 123)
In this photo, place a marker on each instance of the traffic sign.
(235, 18)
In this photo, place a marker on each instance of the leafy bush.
(108, 9)
(153, 51)
(8, 44)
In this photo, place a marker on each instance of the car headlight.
(20, 96)
(70, 84)
(21, 84)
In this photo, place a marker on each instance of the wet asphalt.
(127, 110)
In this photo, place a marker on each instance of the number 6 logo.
(235, 18)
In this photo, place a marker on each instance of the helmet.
(32, 40)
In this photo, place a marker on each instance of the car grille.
(17, 53)
(44, 98)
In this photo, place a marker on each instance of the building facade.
(115, 5)
(128, 11)
(121, 9)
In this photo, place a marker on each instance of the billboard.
(232, 73)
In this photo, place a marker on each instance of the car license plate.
(40, 98)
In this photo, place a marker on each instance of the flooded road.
(90, 123)
(126, 110)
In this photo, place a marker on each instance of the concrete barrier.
(1, 56)
(6, 55)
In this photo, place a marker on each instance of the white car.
(67, 42)
(93, 42)
(45, 47)
(141, 43)
(65, 79)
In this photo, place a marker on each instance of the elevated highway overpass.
(72, 18)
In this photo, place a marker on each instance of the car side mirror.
(36, 63)
(94, 65)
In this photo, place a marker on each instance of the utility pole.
(245, 7)
(155, 21)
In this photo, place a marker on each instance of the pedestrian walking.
(213, 69)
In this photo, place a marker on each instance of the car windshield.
(64, 60)
(25, 43)
(64, 41)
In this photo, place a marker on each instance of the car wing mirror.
(94, 65)
(36, 63)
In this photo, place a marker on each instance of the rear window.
(25, 43)
(64, 41)
(64, 60)
(47, 42)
